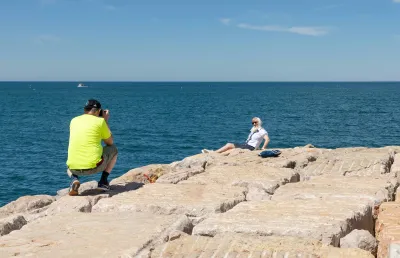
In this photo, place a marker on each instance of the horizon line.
(194, 81)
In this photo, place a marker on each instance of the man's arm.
(109, 140)
(266, 138)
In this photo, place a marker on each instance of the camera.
(101, 113)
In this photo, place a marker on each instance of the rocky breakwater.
(308, 202)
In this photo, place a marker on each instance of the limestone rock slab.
(11, 223)
(196, 161)
(394, 250)
(26, 204)
(179, 175)
(352, 189)
(294, 160)
(369, 191)
(91, 235)
(257, 194)
(395, 169)
(289, 158)
(193, 200)
(316, 219)
(351, 162)
(84, 188)
(397, 198)
(137, 174)
(68, 204)
(265, 178)
(360, 239)
(387, 227)
(239, 245)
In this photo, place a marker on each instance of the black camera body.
(101, 113)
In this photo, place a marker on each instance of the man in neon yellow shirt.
(86, 155)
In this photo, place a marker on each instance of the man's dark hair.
(92, 105)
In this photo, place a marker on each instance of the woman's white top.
(255, 138)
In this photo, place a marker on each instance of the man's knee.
(111, 149)
(231, 145)
(115, 149)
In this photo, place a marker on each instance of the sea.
(162, 122)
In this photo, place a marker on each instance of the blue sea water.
(165, 122)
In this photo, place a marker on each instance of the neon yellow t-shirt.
(85, 149)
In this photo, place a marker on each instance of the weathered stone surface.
(179, 175)
(251, 246)
(91, 188)
(316, 219)
(68, 204)
(339, 192)
(91, 235)
(196, 161)
(257, 194)
(289, 158)
(351, 162)
(299, 159)
(176, 234)
(394, 250)
(395, 169)
(193, 200)
(84, 188)
(239, 157)
(37, 214)
(32, 214)
(360, 239)
(367, 190)
(26, 204)
(265, 178)
(137, 175)
(387, 227)
(397, 198)
(14, 222)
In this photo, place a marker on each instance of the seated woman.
(256, 136)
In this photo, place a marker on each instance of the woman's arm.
(266, 138)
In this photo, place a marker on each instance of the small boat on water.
(81, 85)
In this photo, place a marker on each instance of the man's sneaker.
(104, 186)
(74, 186)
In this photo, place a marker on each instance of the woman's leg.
(228, 146)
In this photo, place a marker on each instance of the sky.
(200, 40)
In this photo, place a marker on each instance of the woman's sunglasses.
(254, 123)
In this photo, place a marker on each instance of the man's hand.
(106, 114)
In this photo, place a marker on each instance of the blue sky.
(187, 40)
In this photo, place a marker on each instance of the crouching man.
(86, 155)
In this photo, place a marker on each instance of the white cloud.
(225, 21)
(396, 1)
(42, 39)
(309, 31)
